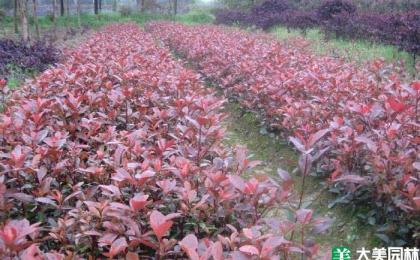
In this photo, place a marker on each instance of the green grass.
(351, 50)
(246, 128)
(195, 16)
(17, 75)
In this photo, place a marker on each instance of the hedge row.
(337, 18)
(366, 120)
(117, 153)
(29, 57)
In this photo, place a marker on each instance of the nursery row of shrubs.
(28, 57)
(117, 152)
(337, 18)
(365, 118)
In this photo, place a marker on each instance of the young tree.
(15, 16)
(114, 5)
(62, 7)
(67, 16)
(54, 13)
(175, 7)
(34, 5)
(78, 10)
(143, 6)
(23, 14)
(96, 6)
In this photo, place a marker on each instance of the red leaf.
(190, 244)
(138, 202)
(32, 253)
(351, 178)
(167, 185)
(271, 244)
(395, 105)
(416, 85)
(159, 223)
(251, 186)
(237, 182)
(370, 144)
(119, 245)
(18, 156)
(284, 175)
(217, 251)
(250, 250)
(416, 201)
(298, 144)
(304, 216)
(318, 135)
(132, 256)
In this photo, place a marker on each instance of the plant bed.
(117, 152)
(366, 118)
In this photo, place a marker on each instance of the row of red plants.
(117, 152)
(366, 118)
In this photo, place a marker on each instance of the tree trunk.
(62, 7)
(96, 6)
(67, 16)
(23, 13)
(15, 16)
(78, 10)
(38, 34)
(68, 7)
(100, 5)
(143, 6)
(55, 19)
(175, 7)
(114, 5)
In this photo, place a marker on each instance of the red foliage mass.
(364, 119)
(117, 152)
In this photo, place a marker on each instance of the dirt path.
(245, 128)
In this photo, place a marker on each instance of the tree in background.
(67, 20)
(35, 16)
(23, 15)
(141, 5)
(114, 5)
(68, 7)
(54, 14)
(15, 16)
(78, 11)
(62, 7)
(96, 6)
(175, 7)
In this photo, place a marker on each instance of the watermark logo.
(382, 253)
(341, 253)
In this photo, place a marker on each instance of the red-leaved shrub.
(367, 120)
(117, 152)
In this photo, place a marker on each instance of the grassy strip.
(195, 16)
(351, 50)
(245, 128)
